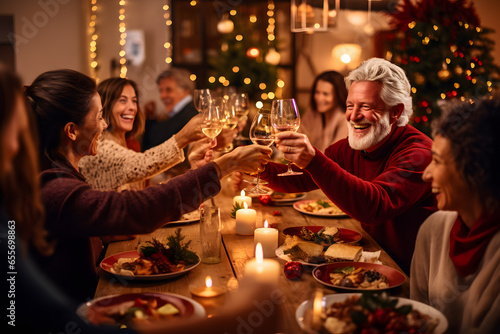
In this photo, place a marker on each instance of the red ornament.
(265, 199)
(276, 213)
(425, 119)
(293, 270)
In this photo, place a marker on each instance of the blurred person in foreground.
(374, 175)
(70, 123)
(324, 121)
(456, 264)
(35, 305)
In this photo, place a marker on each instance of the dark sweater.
(383, 189)
(156, 132)
(75, 213)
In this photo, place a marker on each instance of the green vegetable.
(148, 248)
(236, 207)
(346, 270)
(180, 249)
(323, 203)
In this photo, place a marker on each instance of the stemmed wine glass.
(240, 103)
(213, 118)
(230, 120)
(201, 98)
(261, 133)
(285, 117)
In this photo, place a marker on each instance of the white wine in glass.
(285, 117)
(261, 133)
(213, 119)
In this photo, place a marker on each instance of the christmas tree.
(445, 53)
(241, 59)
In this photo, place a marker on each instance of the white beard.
(378, 131)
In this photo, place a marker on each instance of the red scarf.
(467, 246)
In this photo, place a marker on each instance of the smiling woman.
(119, 164)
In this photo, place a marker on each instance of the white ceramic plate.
(297, 206)
(186, 218)
(330, 299)
(299, 196)
(107, 265)
(188, 308)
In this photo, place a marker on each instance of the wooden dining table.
(237, 250)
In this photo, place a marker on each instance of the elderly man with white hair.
(374, 175)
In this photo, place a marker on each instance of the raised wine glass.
(285, 117)
(230, 121)
(213, 118)
(201, 98)
(261, 133)
(241, 104)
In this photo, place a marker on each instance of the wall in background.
(52, 34)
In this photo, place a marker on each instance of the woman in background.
(324, 122)
(119, 164)
(456, 263)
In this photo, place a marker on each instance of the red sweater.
(75, 213)
(383, 189)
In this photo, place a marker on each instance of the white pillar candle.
(245, 220)
(268, 237)
(260, 270)
(242, 199)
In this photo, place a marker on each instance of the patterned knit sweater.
(118, 168)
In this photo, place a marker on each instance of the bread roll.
(310, 248)
(343, 252)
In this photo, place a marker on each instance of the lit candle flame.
(259, 254)
(317, 309)
(266, 224)
(245, 205)
(242, 193)
(208, 282)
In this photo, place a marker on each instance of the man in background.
(176, 92)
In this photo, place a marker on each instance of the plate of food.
(319, 208)
(311, 253)
(281, 198)
(139, 309)
(268, 191)
(375, 312)
(323, 234)
(153, 260)
(358, 276)
(186, 218)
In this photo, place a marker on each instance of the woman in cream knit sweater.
(119, 164)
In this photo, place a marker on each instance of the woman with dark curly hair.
(456, 263)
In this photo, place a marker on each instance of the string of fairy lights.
(123, 39)
(93, 37)
(168, 22)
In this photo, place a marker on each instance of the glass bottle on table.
(261, 133)
(285, 117)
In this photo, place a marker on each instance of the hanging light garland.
(123, 36)
(167, 15)
(93, 35)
